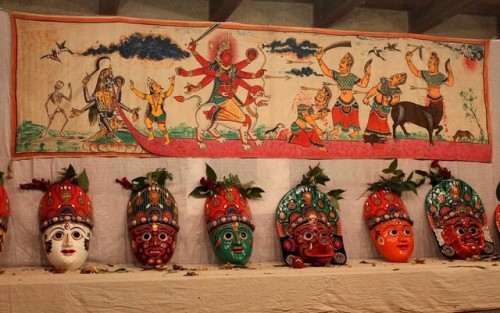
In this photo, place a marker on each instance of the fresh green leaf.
(70, 172)
(394, 180)
(398, 172)
(335, 204)
(335, 193)
(83, 181)
(394, 165)
(421, 173)
(314, 176)
(409, 178)
(199, 192)
(322, 180)
(211, 173)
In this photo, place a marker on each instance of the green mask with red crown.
(228, 217)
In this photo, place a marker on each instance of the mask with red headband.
(386, 216)
(65, 219)
(228, 217)
(152, 218)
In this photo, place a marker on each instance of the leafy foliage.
(158, 177)
(69, 173)
(209, 185)
(470, 109)
(437, 176)
(315, 176)
(395, 181)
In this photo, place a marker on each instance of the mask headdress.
(150, 201)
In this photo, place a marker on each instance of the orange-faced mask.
(390, 226)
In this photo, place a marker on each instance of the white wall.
(275, 176)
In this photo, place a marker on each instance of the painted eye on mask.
(308, 236)
(76, 235)
(228, 236)
(473, 230)
(407, 232)
(243, 235)
(58, 236)
(460, 231)
(146, 236)
(163, 237)
(393, 232)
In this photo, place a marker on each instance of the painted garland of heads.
(152, 218)
(65, 218)
(308, 223)
(386, 215)
(227, 215)
(457, 216)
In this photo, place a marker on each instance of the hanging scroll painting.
(119, 86)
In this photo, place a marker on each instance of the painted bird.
(62, 48)
(391, 47)
(377, 52)
(53, 56)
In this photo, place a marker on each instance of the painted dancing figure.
(56, 99)
(155, 113)
(345, 111)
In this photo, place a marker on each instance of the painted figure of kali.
(458, 219)
(66, 223)
(152, 224)
(390, 225)
(309, 228)
(229, 225)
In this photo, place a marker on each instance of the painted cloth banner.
(120, 86)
